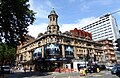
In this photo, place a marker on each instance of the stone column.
(63, 51)
(75, 53)
(30, 55)
(42, 51)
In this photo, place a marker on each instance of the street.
(102, 74)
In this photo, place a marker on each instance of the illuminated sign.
(69, 52)
(37, 53)
(52, 49)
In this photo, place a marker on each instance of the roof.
(53, 12)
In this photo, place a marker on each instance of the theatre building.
(54, 49)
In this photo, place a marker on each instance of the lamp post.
(87, 57)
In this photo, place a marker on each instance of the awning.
(62, 59)
(51, 59)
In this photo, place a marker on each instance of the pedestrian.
(25, 69)
(30, 69)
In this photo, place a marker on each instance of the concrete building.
(104, 27)
(109, 51)
(54, 49)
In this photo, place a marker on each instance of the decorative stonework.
(81, 46)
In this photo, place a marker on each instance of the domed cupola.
(53, 12)
(52, 24)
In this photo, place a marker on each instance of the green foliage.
(7, 53)
(15, 17)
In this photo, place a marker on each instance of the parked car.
(109, 67)
(5, 69)
(117, 65)
(116, 70)
(81, 66)
(102, 67)
(92, 68)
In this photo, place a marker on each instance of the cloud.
(80, 23)
(84, 8)
(41, 13)
(49, 4)
(42, 10)
(34, 30)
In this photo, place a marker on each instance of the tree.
(15, 17)
(7, 53)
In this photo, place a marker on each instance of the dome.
(53, 12)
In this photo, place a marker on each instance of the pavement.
(22, 74)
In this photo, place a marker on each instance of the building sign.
(37, 54)
(69, 52)
(52, 50)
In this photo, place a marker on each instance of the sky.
(71, 13)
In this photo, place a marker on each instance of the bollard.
(98, 70)
(83, 72)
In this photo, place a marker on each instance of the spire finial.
(53, 11)
(53, 8)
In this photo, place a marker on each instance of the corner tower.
(53, 27)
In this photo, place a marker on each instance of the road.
(102, 74)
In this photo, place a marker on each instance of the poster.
(69, 52)
(52, 49)
(37, 53)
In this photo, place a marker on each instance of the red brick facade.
(81, 34)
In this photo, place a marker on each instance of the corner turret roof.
(53, 12)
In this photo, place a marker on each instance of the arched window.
(53, 18)
(50, 18)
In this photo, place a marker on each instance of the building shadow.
(118, 76)
(26, 74)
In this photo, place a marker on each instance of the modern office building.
(104, 27)
(55, 49)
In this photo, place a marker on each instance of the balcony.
(114, 44)
(115, 48)
(79, 53)
(99, 48)
(105, 48)
(113, 58)
(111, 48)
(89, 46)
(112, 53)
(108, 53)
